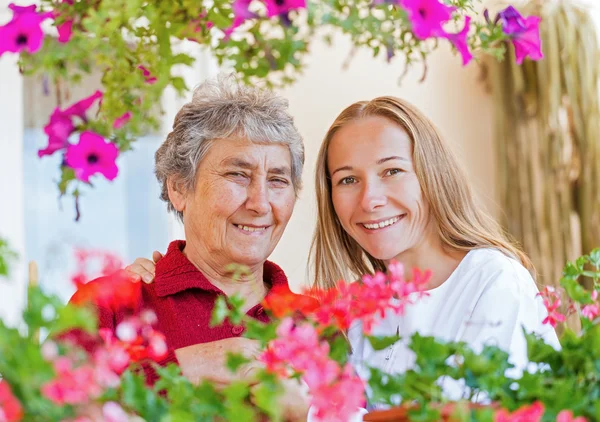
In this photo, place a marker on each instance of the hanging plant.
(133, 45)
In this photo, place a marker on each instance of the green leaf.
(595, 258)
(220, 311)
(235, 360)
(7, 256)
(258, 330)
(382, 342)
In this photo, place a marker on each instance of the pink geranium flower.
(567, 416)
(93, 154)
(23, 32)
(10, 408)
(427, 17)
(552, 302)
(113, 412)
(282, 7)
(523, 32)
(527, 413)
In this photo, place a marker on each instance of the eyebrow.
(241, 163)
(378, 162)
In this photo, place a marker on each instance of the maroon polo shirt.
(183, 298)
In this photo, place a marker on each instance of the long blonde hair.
(461, 223)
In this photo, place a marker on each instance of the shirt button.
(237, 330)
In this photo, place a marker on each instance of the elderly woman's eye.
(280, 182)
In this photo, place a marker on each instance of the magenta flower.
(23, 32)
(61, 126)
(58, 129)
(147, 75)
(241, 13)
(283, 7)
(65, 31)
(523, 32)
(93, 155)
(427, 17)
(81, 107)
(459, 41)
(121, 121)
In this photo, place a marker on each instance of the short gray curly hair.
(222, 108)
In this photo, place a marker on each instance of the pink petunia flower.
(427, 17)
(121, 121)
(93, 154)
(150, 79)
(81, 107)
(58, 129)
(23, 32)
(65, 31)
(241, 13)
(523, 32)
(282, 7)
(459, 41)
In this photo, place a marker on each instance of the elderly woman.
(231, 171)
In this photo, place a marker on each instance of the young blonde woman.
(389, 188)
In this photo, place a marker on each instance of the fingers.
(156, 256)
(143, 268)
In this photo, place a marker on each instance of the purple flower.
(282, 7)
(23, 32)
(427, 17)
(523, 32)
(93, 154)
(459, 41)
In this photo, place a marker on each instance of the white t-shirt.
(486, 300)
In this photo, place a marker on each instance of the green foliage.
(7, 256)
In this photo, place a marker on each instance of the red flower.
(10, 408)
(530, 413)
(281, 301)
(116, 291)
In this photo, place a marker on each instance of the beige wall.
(452, 96)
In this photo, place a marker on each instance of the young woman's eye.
(393, 172)
(347, 180)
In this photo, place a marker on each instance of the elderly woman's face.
(242, 202)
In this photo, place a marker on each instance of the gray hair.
(222, 108)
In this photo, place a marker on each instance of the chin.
(383, 253)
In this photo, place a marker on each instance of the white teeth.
(381, 224)
(251, 229)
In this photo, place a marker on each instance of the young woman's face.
(375, 191)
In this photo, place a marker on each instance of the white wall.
(451, 96)
(12, 291)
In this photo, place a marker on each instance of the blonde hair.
(461, 223)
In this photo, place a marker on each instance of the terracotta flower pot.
(400, 414)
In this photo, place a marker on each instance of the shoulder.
(498, 272)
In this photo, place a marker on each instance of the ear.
(177, 194)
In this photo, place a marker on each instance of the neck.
(430, 255)
(249, 286)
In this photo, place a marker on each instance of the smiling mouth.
(252, 229)
(382, 224)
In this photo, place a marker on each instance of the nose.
(258, 198)
(372, 196)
